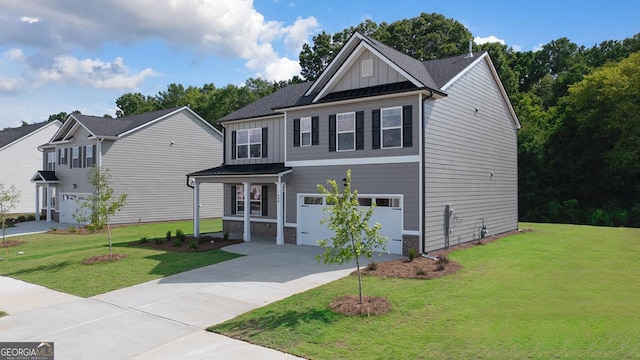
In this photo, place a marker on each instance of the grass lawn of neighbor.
(558, 291)
(56, 260)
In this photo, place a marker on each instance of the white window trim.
(51, 161)
(248, 143)
(240, 189)
(338, 132)
(383, 128)
(75, 154)
(89, 158)
(305, 119)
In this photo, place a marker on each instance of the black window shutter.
(265, 142)
(265, 204)
(233, 144)
(315, 130)
(94, 155)
(71, 156)
(407, 126)
(332, 132)
(359, 130)
(233, 199)
(59, 157)
(83, 151)
(296, 132)
(66, 156)
(375, 129)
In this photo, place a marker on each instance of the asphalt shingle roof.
(7, 136)
(250, 169)
(101, 126)
(443, 70)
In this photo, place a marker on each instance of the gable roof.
(11, 135)
(118, 127)
(444, 70)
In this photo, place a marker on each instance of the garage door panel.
(69, 204)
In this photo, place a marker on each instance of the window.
(255, 200)
(89, 156)
(313, 200)
(249, 143)
(391, 127)
(346, 126)
(75, 157)
(51, 161)
(63, 156)
(305, 131)
(388, 202)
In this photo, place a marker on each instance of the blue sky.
(63, 55)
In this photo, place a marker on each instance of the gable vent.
(367, 67)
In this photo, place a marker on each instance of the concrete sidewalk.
(165, 318)
(33, 227)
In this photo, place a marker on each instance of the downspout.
(423, 173)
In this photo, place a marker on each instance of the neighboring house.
(147, 156)
(433, 144)
(20, 158)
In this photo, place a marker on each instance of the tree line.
(579, 146)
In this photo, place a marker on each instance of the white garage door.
(388, 213)
(68, 205)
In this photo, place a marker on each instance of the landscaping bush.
(180, 235)
(176, 242)
(168, 235)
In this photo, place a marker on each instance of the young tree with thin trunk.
(97, 209)
(353, 235)
(9, 198)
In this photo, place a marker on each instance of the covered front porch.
(246, 195)
(47, 181)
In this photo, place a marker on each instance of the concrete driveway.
(165, 318)
(33, 227)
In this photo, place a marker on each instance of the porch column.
(48, 203)
(37, 202)
(196, 209)
(247, 212)
(280, 214)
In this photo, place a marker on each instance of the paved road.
(165, 318)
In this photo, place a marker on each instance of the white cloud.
(538, 47)
(489, 39)
(225, 28)
(29, 20)
(14, 55)
(280, 69)
(92, 73)
(9, 85)
(517, 48)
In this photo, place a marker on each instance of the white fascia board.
(360, 100)
(356, 161)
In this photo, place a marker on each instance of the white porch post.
(196, 209)
(247, 212)
(37, 202)
(48, 189)
(280, 214)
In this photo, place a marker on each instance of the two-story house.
(433, 144)
(146, 155)
(19, 158)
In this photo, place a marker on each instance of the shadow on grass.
(42, 268)
(271, 321)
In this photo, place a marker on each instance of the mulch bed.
(350, 305)
(10, 243)
(204, 243)
(103, 258)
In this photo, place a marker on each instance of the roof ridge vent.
(470, 53)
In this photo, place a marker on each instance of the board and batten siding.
(470, 161)
(371, 179)
(382, 74)
(275, 142)
(20, 160)
(150, 166)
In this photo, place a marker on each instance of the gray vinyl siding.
(379, 179)
(69, 176)
(275, 143)
(462, 148)
(382, 74)
(152, 170)
(321, 151)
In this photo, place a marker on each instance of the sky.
(65, 55)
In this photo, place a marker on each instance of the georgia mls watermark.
(26, 351)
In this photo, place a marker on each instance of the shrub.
(420, 271)
(72, 229)
(180, 235)
(225, 235)
(159, 241)
(144, 240)
(176, 242)
(442, 262)
(193, 244)
(168, 235)
(372, 266)
(413, 253)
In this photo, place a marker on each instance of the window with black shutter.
(332, 132)
(359, 130)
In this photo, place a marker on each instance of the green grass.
(562, 291)
(55, 260)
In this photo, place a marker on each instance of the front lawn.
(561, 291)
(55, 260)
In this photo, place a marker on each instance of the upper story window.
(62, 156)
(346, 131)
(51, 161)
(89, 156)
(75, 157)
(391, 127)
(249, 143)
(305, 131)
